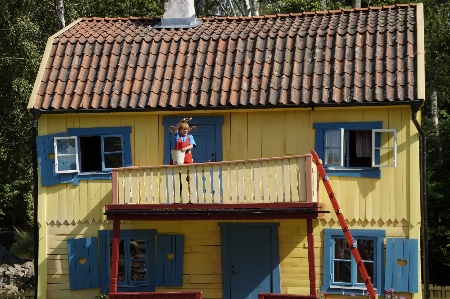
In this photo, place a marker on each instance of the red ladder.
(344, 226)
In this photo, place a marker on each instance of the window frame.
(372, 171)
(376, 140)
(77, 164)
(128, 286)
(331, 287)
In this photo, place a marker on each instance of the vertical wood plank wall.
(68, 211)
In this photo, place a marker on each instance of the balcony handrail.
(278, 179)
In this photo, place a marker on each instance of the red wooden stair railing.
(344, 226)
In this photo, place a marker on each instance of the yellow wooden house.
(250, 217)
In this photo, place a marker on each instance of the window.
(356, 149)
(101, 153)
(83, 153)
(66, 155)
(136, 260)
(340, 273)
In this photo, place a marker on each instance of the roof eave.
(221, 108)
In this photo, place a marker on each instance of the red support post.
(344, 226)
(115, 257)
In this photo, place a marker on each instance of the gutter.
(415, 106)
(220, 108)
(36, 114)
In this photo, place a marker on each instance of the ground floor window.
(136, 260)
(340, 272)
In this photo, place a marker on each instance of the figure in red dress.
(184, 141)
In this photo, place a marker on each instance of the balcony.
(280, 187)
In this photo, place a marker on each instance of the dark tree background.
(25, 26)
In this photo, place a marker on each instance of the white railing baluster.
(302, 180)
(225, 196)
(286, 181)
(279, 180)
(240, 184)
(257, 181)
(192, 174)
(248, 182)
(272, 177)
(216, 183)
(233, 183)
(171, 174)
(293, 171)
(265, 181)
(163, 185)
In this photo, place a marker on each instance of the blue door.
(207, 136)
(204, 137)
(250, 262)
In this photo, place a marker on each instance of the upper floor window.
(356, 149)
(341, 273)
(83, 153)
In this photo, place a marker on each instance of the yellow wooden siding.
(246, 135)
(202, 253)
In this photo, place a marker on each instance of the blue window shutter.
(402, 278)
(169, 260)
(45, 147)
(83, 263)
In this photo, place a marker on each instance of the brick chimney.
(179, 14)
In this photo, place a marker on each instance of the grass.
(24, 247)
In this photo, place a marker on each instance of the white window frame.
(341, 146)
(77, 166)
(385, 148)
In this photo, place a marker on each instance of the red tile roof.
(364, 56)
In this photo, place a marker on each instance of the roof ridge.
(270, 16)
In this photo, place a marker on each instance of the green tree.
(25, 26)
(437, 126)
(21, 44)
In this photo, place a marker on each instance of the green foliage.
(24, 248)
(25, 26)
(438, 193)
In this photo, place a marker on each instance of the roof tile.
(347, 56)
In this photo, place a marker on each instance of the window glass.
(333, 147)
(342, 261)
(113, 160)
(137, 260)
(366, 250)
(66, 155)
(112, 144)
(112, 152)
